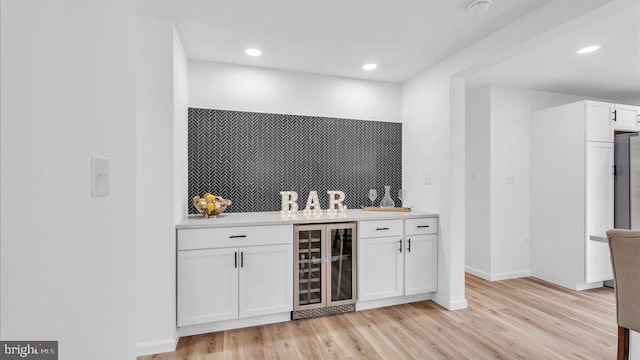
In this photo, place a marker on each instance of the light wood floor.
(512, 319)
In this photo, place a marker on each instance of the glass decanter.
(387, 201)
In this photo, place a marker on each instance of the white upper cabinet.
(626, 117)
(599, 122)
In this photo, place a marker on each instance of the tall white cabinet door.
(380, 268)
(420, 264)
(599, 209)
(626, 117)
(266, 280)
(599, 125)
(207, 286)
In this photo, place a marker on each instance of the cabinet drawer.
(421, 226)
(191, 239)
(380, 228)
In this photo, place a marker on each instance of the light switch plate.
(99, 176)
(427, 178)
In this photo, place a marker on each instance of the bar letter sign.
(290, 201)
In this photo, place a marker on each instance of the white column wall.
(478, 207)
(162, 87)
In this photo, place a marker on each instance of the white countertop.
(277, 218)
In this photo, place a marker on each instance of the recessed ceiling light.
(370, 66)
(253, 52)
(479, 7)
(588, 49)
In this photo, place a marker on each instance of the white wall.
(245, 88)
(634, 101)
(510, 110)
(478, 207)
(162, 173)
(68, 261)
(504, 113)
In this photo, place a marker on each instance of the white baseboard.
(478, 273)
(233, 324)
(372, 304)
(511, 275)
(157, 346)
(451, 305)
(497, 277)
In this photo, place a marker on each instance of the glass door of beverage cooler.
(309, 284)
(341, 266)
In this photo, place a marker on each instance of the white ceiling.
(333, 37)
(613, 72)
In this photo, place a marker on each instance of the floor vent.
(338, 309)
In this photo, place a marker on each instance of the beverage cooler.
(325, 269)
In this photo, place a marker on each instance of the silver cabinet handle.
(422, 226)
(237, 236)
(382, 229)
(409, 247)
(241, 259)
(400, 241)
(235, 260)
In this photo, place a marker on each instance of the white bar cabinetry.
(400, 261)
(239, 275)
(380, 268)
(421, 265)
(218, 282)
(207, 286)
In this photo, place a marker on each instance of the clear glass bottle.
(387, 201)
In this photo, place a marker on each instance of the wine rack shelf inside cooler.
(310, 268)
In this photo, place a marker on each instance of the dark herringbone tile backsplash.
(250, 157)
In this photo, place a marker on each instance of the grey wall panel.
(250, 157)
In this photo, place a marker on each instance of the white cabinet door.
(599, 124)
(626, 117)
(380, 268)
(420, 264)
(599, 209)
(266, 280)
(207, 286)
